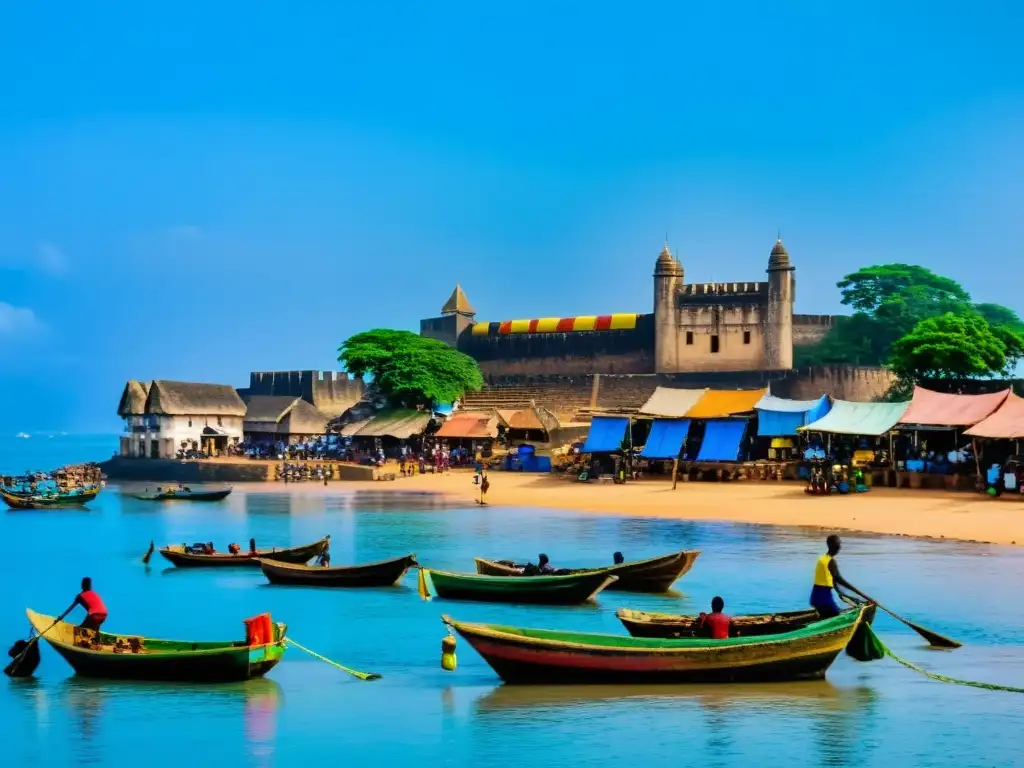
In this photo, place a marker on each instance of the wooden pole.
(675, 472)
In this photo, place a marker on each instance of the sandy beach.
(904, 512)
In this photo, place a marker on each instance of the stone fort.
(727, 335)
(694, 328)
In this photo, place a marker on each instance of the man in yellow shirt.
(827, 579)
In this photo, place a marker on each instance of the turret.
(778, 321)
(668, 280)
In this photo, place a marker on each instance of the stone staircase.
(569, 399)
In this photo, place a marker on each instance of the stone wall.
(565, 395)
(844, 382)
(586, 352)
(331, 391)
(810, 329)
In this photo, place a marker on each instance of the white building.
(164, 417)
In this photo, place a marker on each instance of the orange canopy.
(939, 409)
(1007, 423)
(719, 403)
(468, 425)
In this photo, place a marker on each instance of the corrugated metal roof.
(469, 425)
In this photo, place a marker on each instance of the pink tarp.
(1007, 423)
(938, 409)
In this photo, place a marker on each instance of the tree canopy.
(950, 346)
(410, 369)
(892, 301)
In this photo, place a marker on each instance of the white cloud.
(51, 259)
(14, 320)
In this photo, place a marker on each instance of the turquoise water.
(307, 712)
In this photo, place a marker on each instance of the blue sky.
(193, 191)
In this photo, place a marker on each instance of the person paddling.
(95, 610)
(827, 578)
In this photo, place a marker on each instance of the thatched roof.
(268, 407)
(181, 398)
(399, 423)
(533, 417)
(133, 399)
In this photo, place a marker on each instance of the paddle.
(934, 638)
(11, 668)
(421, 585)
(149, 554)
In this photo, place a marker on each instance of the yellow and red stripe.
(582, 323)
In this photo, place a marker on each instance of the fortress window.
(689, 337)
(746, 337)
(714, 344)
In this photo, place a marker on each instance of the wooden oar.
(934, 638)
(13, 666)
(149, 554)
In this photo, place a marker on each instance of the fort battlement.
(332, 392)
(723, 291)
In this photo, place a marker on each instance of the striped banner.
(621, 322)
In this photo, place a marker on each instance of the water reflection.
(810, 696)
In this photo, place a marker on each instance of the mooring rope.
(315, 655)
(943, 678)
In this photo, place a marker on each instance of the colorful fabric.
(619, 322)
(822, 574)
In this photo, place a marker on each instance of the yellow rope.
(315, 655)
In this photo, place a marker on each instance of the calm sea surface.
(307, 713)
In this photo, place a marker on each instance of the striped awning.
(621, 322)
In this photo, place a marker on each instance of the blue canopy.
(666, 439)
(777, 417)
(722, 440)
(606, 434)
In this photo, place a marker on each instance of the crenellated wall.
(844, 382)
(332, 392)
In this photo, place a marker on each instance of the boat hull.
(654, 575)
(209, 663)
(185, 496)
(383, 574)
(302, 554)
(667, 625)
(522, 656)
(35, 501)
(537, 590)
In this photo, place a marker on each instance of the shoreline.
(940, 515)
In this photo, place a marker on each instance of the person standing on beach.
(827, 578)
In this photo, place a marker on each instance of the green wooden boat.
(572, 589)
(545, 656)
(126, 657)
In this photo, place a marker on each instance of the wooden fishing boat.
(645, 624)
(126, 657)
(176, 554)
(184, 495)
(381, 574)
(656, 574)
(26, 500)
(572, 589)
(554, 657)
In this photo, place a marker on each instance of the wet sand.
(924, 514)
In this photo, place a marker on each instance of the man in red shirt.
(716, 621)
(95, 610)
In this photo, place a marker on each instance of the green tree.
(410, 369)
(950, 346)
(906, 287)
